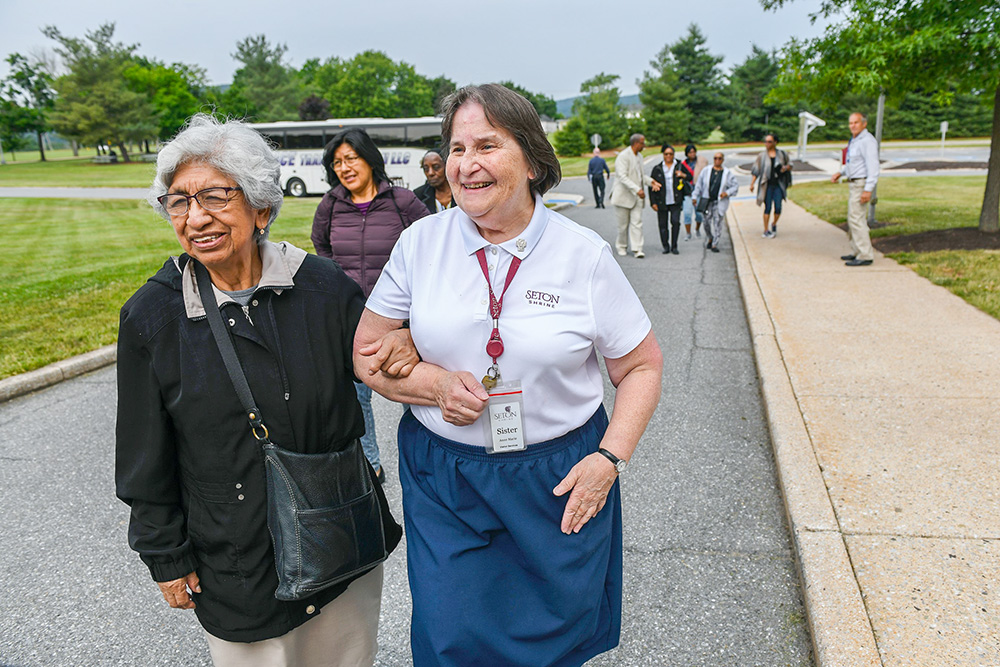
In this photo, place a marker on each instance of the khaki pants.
(857, 222)
(629, 227)
(343, 634)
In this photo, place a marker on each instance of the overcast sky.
(545, 46)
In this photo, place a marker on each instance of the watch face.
(620, 466)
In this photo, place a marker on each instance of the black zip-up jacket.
(681, 177)
(187, 463)
(428, 196)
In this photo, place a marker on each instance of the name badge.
(505, 425)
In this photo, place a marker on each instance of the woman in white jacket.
(716, 185)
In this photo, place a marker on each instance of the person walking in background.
(694, 164)
(435, 193)
(667, 202)
(357, 223)
(773, 168)
(629, 197)
(716, 185)
(596, 169)
(861, 168)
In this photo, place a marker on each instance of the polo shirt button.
(491, 267)
(254, 302)
(311, 609)
(493, 250)
(483, 302)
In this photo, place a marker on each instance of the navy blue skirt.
(494, 580)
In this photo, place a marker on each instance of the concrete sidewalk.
(881, 391)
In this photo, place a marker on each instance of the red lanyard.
(494, 347)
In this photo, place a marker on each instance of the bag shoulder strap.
(225, 342)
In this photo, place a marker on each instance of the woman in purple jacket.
(357, 224)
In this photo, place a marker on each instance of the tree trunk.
(121, 145)
(76, 148)
(989, 218)
(41, 145)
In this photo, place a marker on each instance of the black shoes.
(858, 262)
(666, 251)
(380, 475)
(673, 251)
(848, 258)
(714, 249)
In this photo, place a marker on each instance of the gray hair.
(863, 116)
(234, 149)
(636, 138)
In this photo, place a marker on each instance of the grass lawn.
(75, 262)
(80, 173)
(973, 275)
(920, 204)
(907, 205)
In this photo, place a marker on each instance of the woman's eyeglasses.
(210, 199)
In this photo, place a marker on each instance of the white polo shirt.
(568, 301)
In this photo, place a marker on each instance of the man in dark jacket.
(596, 169)
(435, 193)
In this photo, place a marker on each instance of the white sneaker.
(688, 237)
(768, 234)
(621, 252)
(640, 255)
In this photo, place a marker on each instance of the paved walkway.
(881, 391)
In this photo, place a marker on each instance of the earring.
(262, 231)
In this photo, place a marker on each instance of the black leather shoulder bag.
(323, 510)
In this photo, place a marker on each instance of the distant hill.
(565, 107)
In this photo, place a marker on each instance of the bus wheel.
(296, 188)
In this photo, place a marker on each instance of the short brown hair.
(510, 111)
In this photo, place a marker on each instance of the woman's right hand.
(177, 593)
(461, 397)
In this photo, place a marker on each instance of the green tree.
(173, 91)
(664, 105)
(751, 115)
(372, 84)
(899, 46)
(314, 107)
(270, 89)
(443, 87)
(544, 105)
(599, 112)
(94, 103)
(29, 86)
(15, 123)
(700, 79)
(572, 139)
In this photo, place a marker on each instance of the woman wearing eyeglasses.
(357, 224)
(187, 463)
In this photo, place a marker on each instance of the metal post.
(3, 160)
(878, 141)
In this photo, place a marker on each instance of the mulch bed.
(957, 238)
(939, 164)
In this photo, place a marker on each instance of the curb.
(841, 630)
(25, 383)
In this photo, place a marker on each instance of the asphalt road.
(709, 573)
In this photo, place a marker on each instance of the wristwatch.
(620, 464)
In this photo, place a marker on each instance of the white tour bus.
(299, 145)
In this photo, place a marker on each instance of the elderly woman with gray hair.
(187, 462)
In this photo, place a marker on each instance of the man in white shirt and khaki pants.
(629, 197)
(861, 168)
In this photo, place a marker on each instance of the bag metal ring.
(253, 429)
